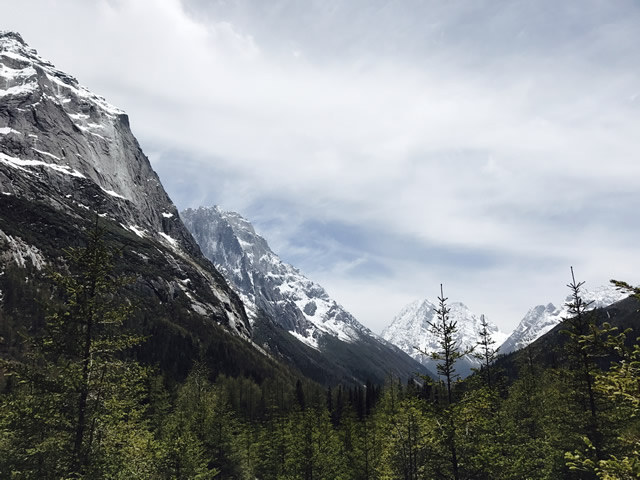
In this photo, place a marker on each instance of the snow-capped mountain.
(542, 318)
(411, 331)
(272, 288)
(265, 282)
(67, 156)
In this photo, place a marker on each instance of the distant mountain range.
(543, 318)
(411, 331)
(276, 292)
(273, 290)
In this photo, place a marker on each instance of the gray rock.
(64, 147)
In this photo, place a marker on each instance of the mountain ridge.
(543, 318)
(69, 159)
(272, 288)
(410, 330)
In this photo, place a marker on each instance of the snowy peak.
(67, 149)
(265, 283)
(56, 135)
(541, 319)
(24, 71)
(411, 331)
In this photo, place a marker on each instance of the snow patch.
(112, 193)
(137, 230)
(173, 243)
(8, 130)
(310, 341)
(167, 215)
(51, 155)
(19, 163)
(25, 89)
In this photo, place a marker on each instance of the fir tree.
(76, 385)
(487, 353)
(446, 332)
(584, 345)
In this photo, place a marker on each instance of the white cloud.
(462, 141)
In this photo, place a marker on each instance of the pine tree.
(487, 353)
(76, 390)
(446, 332)
(619, 424)
(584, 345)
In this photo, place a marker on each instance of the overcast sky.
(384, 147)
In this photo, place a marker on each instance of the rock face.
(543, 318)
(62, 144)
(265, 282)
(273, 289)
(68, 157)
(411, 331)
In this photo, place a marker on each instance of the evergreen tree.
(446, 332)
(585, 344)
(487, 353)
(76, 392)
(620, 454)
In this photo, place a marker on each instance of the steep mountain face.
(67, 157)
(274, 290)
(265, 282)
(411, 331)
(543, 318)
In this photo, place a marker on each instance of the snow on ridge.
(12, 46)
(50, 155)
(112, 193)
(137, 230)
(541, 319)
(173, 243)
(307, 340)
(250, 266)
(20, 163)
(411, 331)
(18, 90)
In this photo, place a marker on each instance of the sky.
(384, 147)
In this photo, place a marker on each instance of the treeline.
(77, 406)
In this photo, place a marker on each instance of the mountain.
(276, 294)
(547, 351)
(69, 159)
(410, 330)
(543, 318)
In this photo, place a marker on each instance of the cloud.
(384, 146)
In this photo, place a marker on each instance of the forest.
(77, 403)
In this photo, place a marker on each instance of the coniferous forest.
(77, 403)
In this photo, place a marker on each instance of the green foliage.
(74, 394)
(621, 387)
(77, 406)
(486, 353)
(446, 332)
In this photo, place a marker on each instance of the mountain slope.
(67, 157)
(543, 318)
(547, 351)
(410, 331)
(275, 292)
